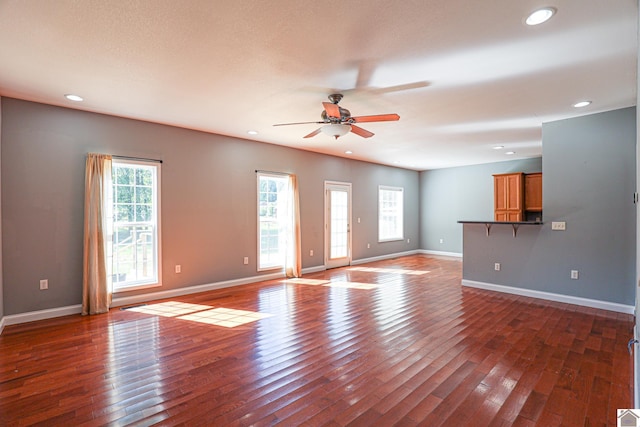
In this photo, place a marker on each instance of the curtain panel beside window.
(96, 282)
(293, 258)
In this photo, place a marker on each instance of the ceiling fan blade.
(398, 88)
(312, 134)
(362, 132)
(332, 109)
(376, 118)
(299, 123)
(365, 72)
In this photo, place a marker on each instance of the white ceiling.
(476, 76)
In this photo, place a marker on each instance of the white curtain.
(293, 257)
(96, 280)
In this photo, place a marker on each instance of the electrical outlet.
(574, 274)
(44, 284)
(369, 247)
(178, 268)
(558, 225)
(311, 252)
(358, 220)
(441, 240)
(496, 266)
(408, 240)
(246, 260)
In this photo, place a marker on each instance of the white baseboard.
(32, 316)
(382, 257)
(119, 301)
(315, 269)
(1, 324)
(585, 302)
(440, 253)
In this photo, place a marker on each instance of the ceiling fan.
(338, 121)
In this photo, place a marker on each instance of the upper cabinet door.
(500, 190)
(508, 196)
(533, 192)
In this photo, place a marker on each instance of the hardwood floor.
(396, 342)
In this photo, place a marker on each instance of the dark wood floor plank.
(416, 349)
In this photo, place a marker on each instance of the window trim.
(401, 216)
(260, 174)
(158, 210)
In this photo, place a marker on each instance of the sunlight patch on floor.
(301, 281)
(352, 285)
(227, 317)
(334, 284)
(390, 270)
(170, 308)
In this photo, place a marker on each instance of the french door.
(337, 224)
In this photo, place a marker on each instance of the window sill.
(395, 239)
(136, 287)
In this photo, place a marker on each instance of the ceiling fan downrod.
(335, 98)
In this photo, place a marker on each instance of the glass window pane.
(124, 213)
(134, 259)
(123, 175)
(144, 176)
(144, 195)
(124, 194)
(273, 206)
(390, 213)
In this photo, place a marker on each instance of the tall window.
(274, 205)
(390, 213)
(135, 257)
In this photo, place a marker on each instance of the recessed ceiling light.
(72, 97)
(498, 147)
(348, 152)
(510, 153)
(252, 132)
(540, 16)
(582, 104)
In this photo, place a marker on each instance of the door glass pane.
(338, 224)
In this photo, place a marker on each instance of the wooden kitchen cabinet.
(517, 196)
(533, 192)
(508, 196)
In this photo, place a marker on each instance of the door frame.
(327, 236)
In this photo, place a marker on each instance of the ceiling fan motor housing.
(344, 115)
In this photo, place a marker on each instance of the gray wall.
(462, 193)
(588, 181)
(208, 200)
(1, 273)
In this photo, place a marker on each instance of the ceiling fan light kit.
(336, 130)
(338, 121)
